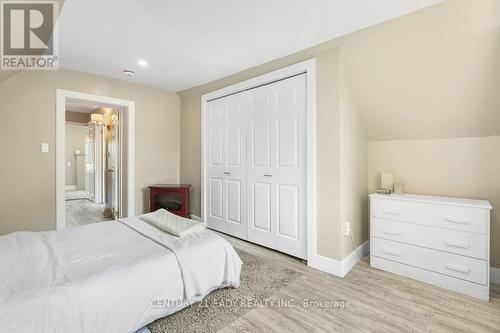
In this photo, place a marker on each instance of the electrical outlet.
(347, 228)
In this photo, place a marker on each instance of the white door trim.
(127, 113)
(309, 68)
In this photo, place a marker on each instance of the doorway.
(94, 158)
(92, 146)
(258, 160)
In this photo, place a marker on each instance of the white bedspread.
(200, 269)
(106, 277)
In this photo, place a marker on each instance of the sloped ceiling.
(191, 42)
(430, 74)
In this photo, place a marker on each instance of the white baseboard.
(196, 218)
(337, 267)
(352, 259)
(326, 265)
(70, 187)
(495, 275)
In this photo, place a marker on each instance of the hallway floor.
(83, 211)
(76, 194)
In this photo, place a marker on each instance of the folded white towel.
(173, 224)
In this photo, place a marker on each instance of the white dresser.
(438, 240)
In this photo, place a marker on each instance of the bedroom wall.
(27, 115)
(428, 95)
(461, 167)
(353, 172)
(430, 74)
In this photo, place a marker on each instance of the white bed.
(107, 277)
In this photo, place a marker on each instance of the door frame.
(127, 149)
(307, 67)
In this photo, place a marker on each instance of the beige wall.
(411, 76)
(353, 171)
(461, 167)
(27, 115)
(328, 83)
(75, 140)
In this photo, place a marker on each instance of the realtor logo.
(29, 38)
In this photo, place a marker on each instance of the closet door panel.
(288, 211)
(260, 139)
(256, 165)
(290, 115)
(261, 199)
(234, 145)
(261, 145)
(261, 213)
(226, 167)
(287, 142)
(216, 142)
(234, 201)
(216, 197)
(277, 157)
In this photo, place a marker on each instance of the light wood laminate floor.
(83, 211)
(379, 302)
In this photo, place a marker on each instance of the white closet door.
(276, 169)
(226, 165)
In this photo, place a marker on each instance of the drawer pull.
(459, 269)
(459, 244)
(391, 232)
(391, 211)
(392, 252)
(457, 220)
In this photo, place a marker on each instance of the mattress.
(107, 277)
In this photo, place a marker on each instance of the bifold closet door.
(276, 165)
(225, 182)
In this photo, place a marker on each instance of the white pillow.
(173, 224)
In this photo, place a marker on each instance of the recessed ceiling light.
(128, 72)
(142, 62)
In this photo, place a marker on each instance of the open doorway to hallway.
(125, 156)
(92, 148)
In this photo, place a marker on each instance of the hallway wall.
(75, 140)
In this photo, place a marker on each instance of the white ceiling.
(191, 42)
(80, 107)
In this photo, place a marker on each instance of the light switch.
(44, 148)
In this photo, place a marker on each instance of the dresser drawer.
(465, 268)
(458, 242)
(459, 218)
